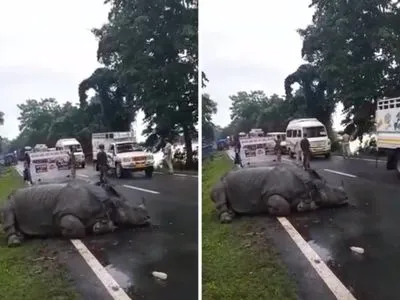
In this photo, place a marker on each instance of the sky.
(250, 45)
(46, 50)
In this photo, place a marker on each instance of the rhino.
(73, 210)
(277, 188)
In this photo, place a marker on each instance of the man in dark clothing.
(305, 148)
(102, 163)
(238, 160)
(27, 168)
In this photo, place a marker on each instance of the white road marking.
(83, 175)
(335, 285)
(140, 189)
(178, 174)
(113, 288)
(340, 173)
(368, 159)
(330, 279)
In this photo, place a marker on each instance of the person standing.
(305, 148)
(278, 148)
(346, 145)
(72, 161)
(298, 152)
(168, 156)
(27, 168)
(102, 163)
(238, 146)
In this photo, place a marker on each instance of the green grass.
(29, 272)
(237, 261)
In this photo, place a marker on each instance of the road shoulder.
(31, 271)
(238, 262)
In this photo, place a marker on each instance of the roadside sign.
(49, 165)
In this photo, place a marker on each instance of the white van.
(316, 134)
(65, 144)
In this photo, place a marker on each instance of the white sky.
(250, 45)
(46, 50)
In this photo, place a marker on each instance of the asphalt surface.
(130, 256)
(370, 222)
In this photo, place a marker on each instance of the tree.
(314, 98)
(256, 110)
(152, 48)
(46, 121)
(209, 108)
(354, 45)
(111, 108)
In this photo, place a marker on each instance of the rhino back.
(34, 207)
(38, 209)
(246, 188)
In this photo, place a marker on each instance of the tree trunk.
(188, 145)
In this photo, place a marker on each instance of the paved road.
(131, 255)
(371, 222)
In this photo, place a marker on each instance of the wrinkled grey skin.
(72, 210)
(278, 189)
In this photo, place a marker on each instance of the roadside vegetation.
(237, 262)
(29, 272)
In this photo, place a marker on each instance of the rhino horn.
(342, 184)
(143, 201)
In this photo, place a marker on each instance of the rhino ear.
(111, 190)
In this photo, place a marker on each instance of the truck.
(65, 144)
(387, 118)
(123, 152)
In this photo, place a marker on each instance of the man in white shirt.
(168, 155)
(346, 145)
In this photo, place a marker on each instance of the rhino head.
(126, 213)
(331, 196)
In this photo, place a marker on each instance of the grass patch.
(237, 261)
(29, 272)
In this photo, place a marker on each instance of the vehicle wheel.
(149, 172)
(118, 171)
(327, 155)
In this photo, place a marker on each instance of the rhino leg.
(14, 237)
(105, 226)
(218, 196)
(72, 227)
(278, 206)
(306, 206)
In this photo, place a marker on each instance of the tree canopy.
(351, 52)
(149, 53)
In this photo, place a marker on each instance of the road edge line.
(328, 277)
(334, 284)
(113, 288)
(140, 189)
(340, 173)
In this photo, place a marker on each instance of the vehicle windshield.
(128, 147)
(275, 136)
(317, 131)
(77, 147)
